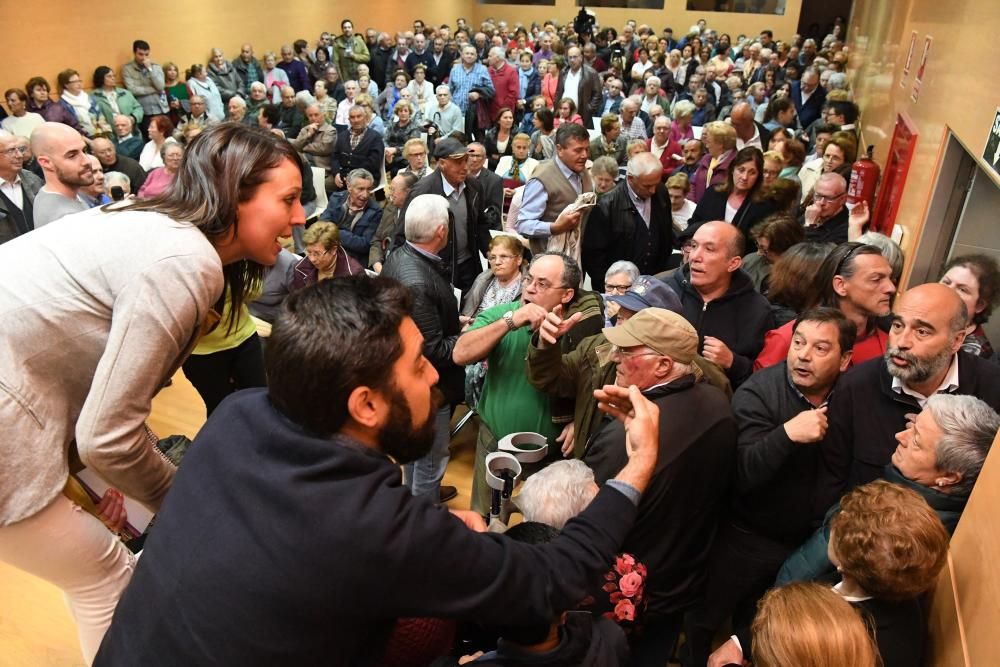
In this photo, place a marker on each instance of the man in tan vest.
(554, 185)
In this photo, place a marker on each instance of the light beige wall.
(51, 35)
(957, 91)
(674, 14)
(965, 614)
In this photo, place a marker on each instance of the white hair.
(968, 426)
(557, 493)
(113, 178)
(257, 85)
(498, 52)
(240, 102)
(424, 216)
(654, 79)
(359, 174)
(684, 108)
(622, 266)
(644, 164)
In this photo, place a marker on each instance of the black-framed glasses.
(821, 198)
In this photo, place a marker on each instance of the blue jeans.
(424, 475)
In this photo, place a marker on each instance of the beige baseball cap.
(660, 330)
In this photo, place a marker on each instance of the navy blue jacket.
(279, 547)
(357, 242)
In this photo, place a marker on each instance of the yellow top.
(221, 338)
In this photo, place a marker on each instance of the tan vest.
(561, 194)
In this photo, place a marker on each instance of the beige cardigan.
(98, 310)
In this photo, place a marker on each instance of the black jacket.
(833, 230)
(368, 155)
(131, 168)
(14, 221)
(479, 221)
(680, 509)
(435, 312)
(775, 477)
(426, 59)
(713, 207)
(276, 546)
(739, 318)
(584, 641)
(615, 231)
(865, 414)
(437, 73)
(492, 188)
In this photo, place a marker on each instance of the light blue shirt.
(535, 200)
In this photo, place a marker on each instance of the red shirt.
(777, 341)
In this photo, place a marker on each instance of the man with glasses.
(501, 335)
(826, 219)
(18, 188)
(415, 154)
(656, 350)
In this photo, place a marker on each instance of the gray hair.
(557, 493)
(424, 216)
(622, 266)
(837, 81)
(303, 99)
(683, 108)
(968, 427)
(113, 178)
(606, 165)
(170, 141)
(833, 177)
(443, 89)
(498, 52)
(360, 174)
(644, 164)
(257, 85)
(889, 249)
(654, 79)
(240, 102)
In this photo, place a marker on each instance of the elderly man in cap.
(655, 350)
(469, 209)
(575, 374)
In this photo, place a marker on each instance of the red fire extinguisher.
(864, 179)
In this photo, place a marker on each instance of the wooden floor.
(35, 626)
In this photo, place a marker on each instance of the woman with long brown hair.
(740, 201)
(118, 298)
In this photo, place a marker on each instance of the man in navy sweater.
(287, 537)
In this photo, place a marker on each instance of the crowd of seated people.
(616, 208)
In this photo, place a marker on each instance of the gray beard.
(919, 370)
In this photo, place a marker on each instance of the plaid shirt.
(637, 130)
(462, 82)
(356, 137)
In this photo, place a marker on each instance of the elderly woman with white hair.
(939, 455)
(258, 100)
(160, 178)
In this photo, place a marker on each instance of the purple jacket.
(306, 273)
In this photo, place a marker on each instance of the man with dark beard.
(872, 401)
(287, 537)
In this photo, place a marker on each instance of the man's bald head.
(742, 119)
(49, 137)
(729, 234)
(60, 152)
(937, 299)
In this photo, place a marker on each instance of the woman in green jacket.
(112, 100)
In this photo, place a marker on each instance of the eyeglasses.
(616, 289)
(609, 352)
(312, 254)
(541, 284)
(14, 150)
(500, 258)
(822, 198)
